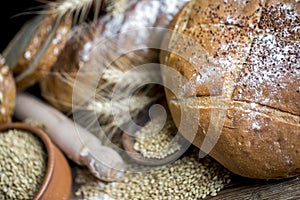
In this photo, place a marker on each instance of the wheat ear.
(79, 8)
(82, 7)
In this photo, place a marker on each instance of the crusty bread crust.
(251, 66)
(57, 86)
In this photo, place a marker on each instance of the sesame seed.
(5, 70)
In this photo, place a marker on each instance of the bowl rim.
(48, 146)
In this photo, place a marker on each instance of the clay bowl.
(57, 182)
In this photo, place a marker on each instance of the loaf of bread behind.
(110, 35)
(242, 63)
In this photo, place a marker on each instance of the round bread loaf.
(242, 62)
(7, 92)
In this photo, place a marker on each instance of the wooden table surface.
(242, 188)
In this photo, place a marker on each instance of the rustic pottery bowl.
(57, 182)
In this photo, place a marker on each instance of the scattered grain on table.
(187, 178)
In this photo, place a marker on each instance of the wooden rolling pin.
(76, 142)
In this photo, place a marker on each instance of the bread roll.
(243, 82)
(7, 92)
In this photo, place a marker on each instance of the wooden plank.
(286, 189)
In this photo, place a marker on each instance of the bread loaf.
(245, 75)
(57, 86)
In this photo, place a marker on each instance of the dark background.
(10, 22)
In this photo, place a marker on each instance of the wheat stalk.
(80, 8)
(104, 109)
(117, 7)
